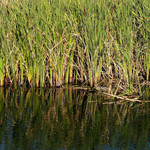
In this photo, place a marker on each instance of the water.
(71, 119)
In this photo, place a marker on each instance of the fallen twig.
(127, 99)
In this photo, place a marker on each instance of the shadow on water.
(60, 119)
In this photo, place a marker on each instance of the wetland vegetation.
(74, 74)
(97, 43)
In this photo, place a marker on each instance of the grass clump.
(51, 43)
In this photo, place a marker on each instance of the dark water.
(71, 120)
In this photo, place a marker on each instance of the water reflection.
(60, 119)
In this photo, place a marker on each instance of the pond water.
(58, 119)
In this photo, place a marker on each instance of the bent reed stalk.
(51, 43)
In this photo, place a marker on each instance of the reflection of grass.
(50, 43)
(66, 117)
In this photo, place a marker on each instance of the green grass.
(50, 43)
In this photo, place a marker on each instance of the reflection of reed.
(67, 115)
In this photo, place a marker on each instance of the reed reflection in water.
(70, 119)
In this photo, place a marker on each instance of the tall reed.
(51, 43)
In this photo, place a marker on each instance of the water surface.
(58, 119)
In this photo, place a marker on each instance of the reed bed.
(94, 42)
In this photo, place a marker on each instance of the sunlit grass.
(51, 43)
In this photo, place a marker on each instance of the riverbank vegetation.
(50, 43)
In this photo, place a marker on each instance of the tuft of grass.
(1, 72)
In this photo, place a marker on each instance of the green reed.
(50, 43)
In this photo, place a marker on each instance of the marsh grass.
(51, 43)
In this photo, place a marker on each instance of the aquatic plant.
(51, 43)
